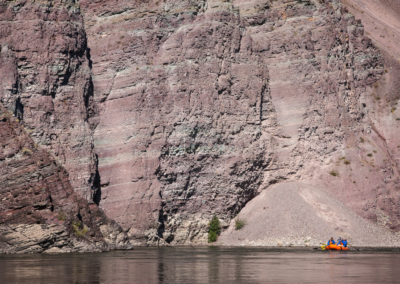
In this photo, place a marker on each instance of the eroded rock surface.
(186, 114)
(198, 106)
(169, 155)
(46, 83)
(325, 64)
(39, 210)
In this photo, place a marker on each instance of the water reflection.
(203, 265)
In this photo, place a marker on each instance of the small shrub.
(342, 158)
(369, 155)
(214, 230)
(26, 152)
(393, 109)
(76, 226)
(374, 151)
(334, 173)
(239, 223)
(61, 216)
(346, 162)
(362, 140)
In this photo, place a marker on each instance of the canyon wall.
(46, 82)
(39, 210)
(46, 88)
(185, 119)
(174, 135)
(165, 113)
(341, 140)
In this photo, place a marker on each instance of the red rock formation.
(181, 133)
(330, 138)
(39, 210)
(197, 106)
(169, 106)
(46, 81)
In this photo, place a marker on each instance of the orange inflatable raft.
(336, 247)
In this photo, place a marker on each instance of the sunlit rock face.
(185, 117)
(165, 113)
(46, 82)
(323, 81)
(204, 104)
(39, 209)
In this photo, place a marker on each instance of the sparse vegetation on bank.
(334, 173)
(214, 230)
(239, 223)
(62, 216)
(79, 232)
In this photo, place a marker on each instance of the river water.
(204, 265)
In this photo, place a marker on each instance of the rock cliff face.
(175, 139)
(39, 211)
(186, 113)
(339, 137)
(46, 82)
(195, 107)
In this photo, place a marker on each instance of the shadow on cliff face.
(97, 184)
(19, 109)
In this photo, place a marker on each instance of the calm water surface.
(203, 265)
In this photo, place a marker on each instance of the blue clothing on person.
(344, 243)
(331, 242)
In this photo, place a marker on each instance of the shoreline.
(265, 248)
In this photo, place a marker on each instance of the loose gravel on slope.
(297, 214)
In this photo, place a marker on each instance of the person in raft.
(339, 240)
(343, 243)
(331, 241)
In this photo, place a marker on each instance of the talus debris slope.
(297, 214)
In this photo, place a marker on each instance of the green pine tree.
(214, 230)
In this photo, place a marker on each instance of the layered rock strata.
(46, 82)
(338, 137)
(39, 210)
(186, 113)
(163, 152)
(198, 106)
